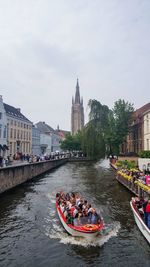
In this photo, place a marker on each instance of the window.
(4, 135)
(11, 122)
(0, 130)
(11, 133)
(0, 115)
(147, 140)
(147, 125)
(18, 134)
(15, 148)
(15, 133)
(10, 148)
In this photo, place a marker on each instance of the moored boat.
(87, 230)
(140, 221)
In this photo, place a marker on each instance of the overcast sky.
(45, 45)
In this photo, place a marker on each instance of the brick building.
(139, 135)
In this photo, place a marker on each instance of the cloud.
(45, 45)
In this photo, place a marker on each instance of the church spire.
(77, 112)
(77, 94)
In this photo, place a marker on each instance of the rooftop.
(15, 112)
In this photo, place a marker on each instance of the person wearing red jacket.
(147, 210)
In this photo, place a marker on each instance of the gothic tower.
(77, 112)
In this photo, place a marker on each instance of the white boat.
(139, 221)
(88, 231)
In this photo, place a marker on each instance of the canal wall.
(15, 175)
(79, 159)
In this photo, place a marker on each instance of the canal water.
(32, 235)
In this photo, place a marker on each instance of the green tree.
(93, 135)
(72, 142)
(119, 125)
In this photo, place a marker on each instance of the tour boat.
(87, 231)
(139, 221)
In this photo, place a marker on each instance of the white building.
(3, 130)
(53, 136)
(146, 119)
(45, 143)
(36, 149)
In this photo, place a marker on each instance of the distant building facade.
(138, 138)
(77, 112)
(146, 119)
(19, 131)
(3, 130)
(51, 134)
(62, 133)
(35, 141)
(45, 144)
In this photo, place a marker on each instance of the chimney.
(18, 109)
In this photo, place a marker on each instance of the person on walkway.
(1, 161)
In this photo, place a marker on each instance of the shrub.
(144, 154)
(127, 164)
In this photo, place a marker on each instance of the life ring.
(90, 227)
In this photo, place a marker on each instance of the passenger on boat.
(89, 209)
(69, 219)
(77, 199)
(62, 206)
(144, 210)
(80, 204)
(80, 217)
(94, 218)
(148, 213)
(67, 197)
(84, 205)
(75, 212)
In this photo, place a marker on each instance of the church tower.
(77, 112)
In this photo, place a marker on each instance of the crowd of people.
(76, 209)
(137, 175)
(144, 209)
(26, 158)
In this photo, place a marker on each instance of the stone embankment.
(16, 175)
(79, 159)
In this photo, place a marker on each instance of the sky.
(46, 45)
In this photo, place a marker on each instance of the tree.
(93, 135)
(72, 142)
(119, 124)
